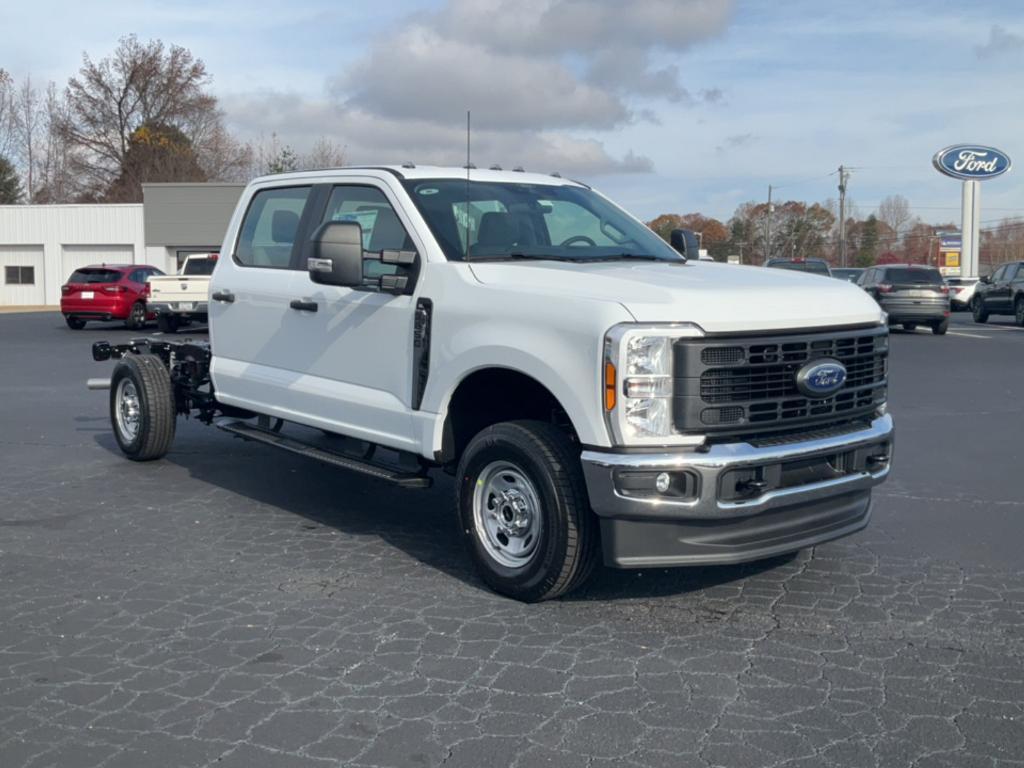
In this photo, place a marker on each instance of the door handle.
(226, 296)
(303, 305)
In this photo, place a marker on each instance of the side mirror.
(985, 279)
(685, 242)
(336, 256)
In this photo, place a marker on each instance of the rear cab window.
(94, 275)
(267, 235)
(199, 267)
(912, 276)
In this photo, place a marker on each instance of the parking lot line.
(968, 335)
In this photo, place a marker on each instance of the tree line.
(142, 114)
(801, 230)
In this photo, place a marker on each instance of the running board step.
(250, 432)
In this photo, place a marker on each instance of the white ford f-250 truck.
(181, 298)
(595, 393)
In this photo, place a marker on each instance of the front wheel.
(1018, 311)
(142, 408)
(524, 512)
(940, 328)
(978, 310)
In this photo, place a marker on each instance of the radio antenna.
(468, 167)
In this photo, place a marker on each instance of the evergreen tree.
(10, 184)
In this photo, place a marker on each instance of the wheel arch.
(491, 394)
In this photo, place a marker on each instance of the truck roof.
(410, 171)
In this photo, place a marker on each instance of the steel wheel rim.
(507, 516)
(127, 409)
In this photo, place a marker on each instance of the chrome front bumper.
(737, 501)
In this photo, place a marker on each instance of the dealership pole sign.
(971, 163)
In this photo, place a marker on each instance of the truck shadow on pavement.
(419, 523)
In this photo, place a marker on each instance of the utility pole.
(843, 176)
(768, 228)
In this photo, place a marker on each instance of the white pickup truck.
(182, 298)
(596, 394)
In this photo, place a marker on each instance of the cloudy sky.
(666, 105)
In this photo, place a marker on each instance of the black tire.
(136, 319)
(940, 328)
(1018, 311)
(978, 310)
(167, 323)
(151, 383)
(909, 326)
(74, 323)
(565, 549)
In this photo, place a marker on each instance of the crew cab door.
(250, 295)
(355, 347)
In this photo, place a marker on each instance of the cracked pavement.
(235, 606)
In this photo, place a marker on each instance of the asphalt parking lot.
(234, 606)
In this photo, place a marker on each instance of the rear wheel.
(940, 328)
(524, 512)
(74, 323)
(1018, 311)
(142, 408)
(136, 319)
(910, 326)
(167, 323)
(978, 310)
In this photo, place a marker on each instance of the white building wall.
(54, 226)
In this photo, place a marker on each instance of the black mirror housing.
(685, 242)
(336, 254)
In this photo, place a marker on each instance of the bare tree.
(141, 84)
(56, 179)
(7, 109)
(28, 122)
(895, 211)
(324, 154)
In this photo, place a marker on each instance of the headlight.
(638, 382)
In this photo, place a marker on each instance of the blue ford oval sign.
(971, 162)
(821, 378)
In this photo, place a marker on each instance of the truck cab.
(596, 393)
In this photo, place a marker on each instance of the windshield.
(537, 221)
(814, 267)
(199, 267)
(913, 276)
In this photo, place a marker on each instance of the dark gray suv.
(911, 294)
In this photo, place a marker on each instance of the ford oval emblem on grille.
(821, 378)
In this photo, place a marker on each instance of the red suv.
(107, 292)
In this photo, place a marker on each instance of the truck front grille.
(737, 387)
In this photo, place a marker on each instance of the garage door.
(21, 275)
(73, 257)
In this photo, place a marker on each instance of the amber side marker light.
(609, 386)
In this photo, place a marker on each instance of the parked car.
(107, 292)
(1000, 294)
(961, 292)
(593, 391)
(813, 266)
(182, 298)
(911, 294)
(849, 274)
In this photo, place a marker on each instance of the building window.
(20, 275)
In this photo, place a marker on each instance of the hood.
(720, 298)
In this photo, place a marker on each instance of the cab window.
(270, 226)
(370, 209)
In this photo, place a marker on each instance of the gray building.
(179, 219)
